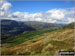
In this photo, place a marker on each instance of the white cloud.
(51, 21)
(56, 14)
(38, 19)
(50, 16)
(1, 13)
(70, 20)
(27, 15)
(4, 8)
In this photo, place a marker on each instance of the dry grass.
(49, 43)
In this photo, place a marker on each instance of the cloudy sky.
(44, 11)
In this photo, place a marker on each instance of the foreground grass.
(44, 42)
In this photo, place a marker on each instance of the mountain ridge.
(10, 28)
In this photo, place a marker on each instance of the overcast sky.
(45, 11)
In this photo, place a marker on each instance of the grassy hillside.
(48, 43)
(27, 35)
(44, 42)
(12, 28)
(71, 25)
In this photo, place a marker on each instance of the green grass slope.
(44, 42)
(71, 25)
(27, 35)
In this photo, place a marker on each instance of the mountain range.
(10, 28)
